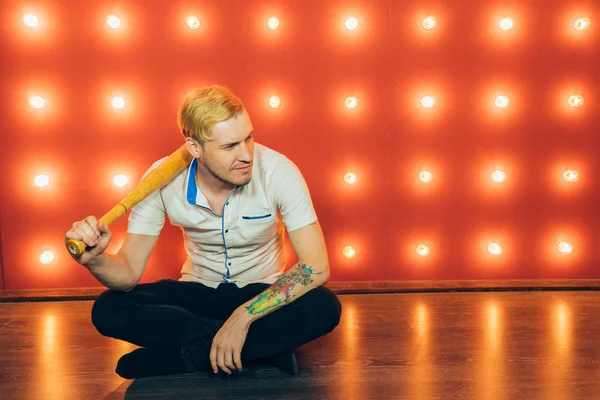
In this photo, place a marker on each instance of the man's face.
(229, 155)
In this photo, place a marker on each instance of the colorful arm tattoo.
(281, 291)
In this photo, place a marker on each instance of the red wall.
(312, 62)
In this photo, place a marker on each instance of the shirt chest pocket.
(258, 227)
(256, 217)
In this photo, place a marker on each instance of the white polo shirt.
(246, 244)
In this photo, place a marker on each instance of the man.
(233, 303)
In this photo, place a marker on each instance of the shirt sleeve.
(292, 196)
(148, 216)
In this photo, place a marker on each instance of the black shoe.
(144, 362)
(286, 362)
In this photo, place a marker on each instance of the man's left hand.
(227, 344)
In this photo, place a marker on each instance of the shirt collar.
(192, 188)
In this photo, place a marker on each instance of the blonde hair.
(203, 108)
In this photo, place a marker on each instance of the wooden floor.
(491, 345)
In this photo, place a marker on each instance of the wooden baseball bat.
(157, 178)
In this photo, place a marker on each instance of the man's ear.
(194, 147)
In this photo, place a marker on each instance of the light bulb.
(41, 180)
(36, 102)
(46, 257)
(349, 178)
(118, 102)
(422, 250)
(350, 102)
(349, 251)
(351, 23)
(498, 176)
(274, 102)
(120, 180)
(427, 101)
(30, 20)
(576, 101)
(570, 175)
(273, 23)
(581, 24)
(506, 24)
(495, 249)
(193, 22)
(425, 176)
(565, 248)
(113, 21)
(429, 22)
(502, 101)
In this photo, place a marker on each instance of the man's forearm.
(113, 271)
(297, 281)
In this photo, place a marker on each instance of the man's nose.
(245, 153)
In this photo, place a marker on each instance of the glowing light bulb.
(193, 22)
(46, 257)
(429, 22)
(425, 176)
(576, 101)
(498, 176)
(581, 24)
(31, 20)
(350, 178)
(427, 101)
(118, 102)
(349, 251)
(113, 21)
(41, 180)
(495, 249)
(274, 102)
(565, 248)
(120, 180)
(36, 102)
(350, 102)
(570, 175)
(502, 101)
(422, 250)
(351, 23)
(273, 23)
(506, 24)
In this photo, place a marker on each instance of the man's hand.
(94, 234)
(226, 350)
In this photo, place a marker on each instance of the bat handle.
(77, 247)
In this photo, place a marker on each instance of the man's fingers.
(229, 359)
(237, 359)
(93, 222)
(213, 358)
(221, 361)
(73, 235)
(87, 234)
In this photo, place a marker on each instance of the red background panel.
(464, 64)
(312, 62)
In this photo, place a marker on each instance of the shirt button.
(227, 231)
(230, 264)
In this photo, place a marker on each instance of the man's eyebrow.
(234, 143)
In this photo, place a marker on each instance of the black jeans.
(187, 315)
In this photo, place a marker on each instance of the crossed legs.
(174, 323)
